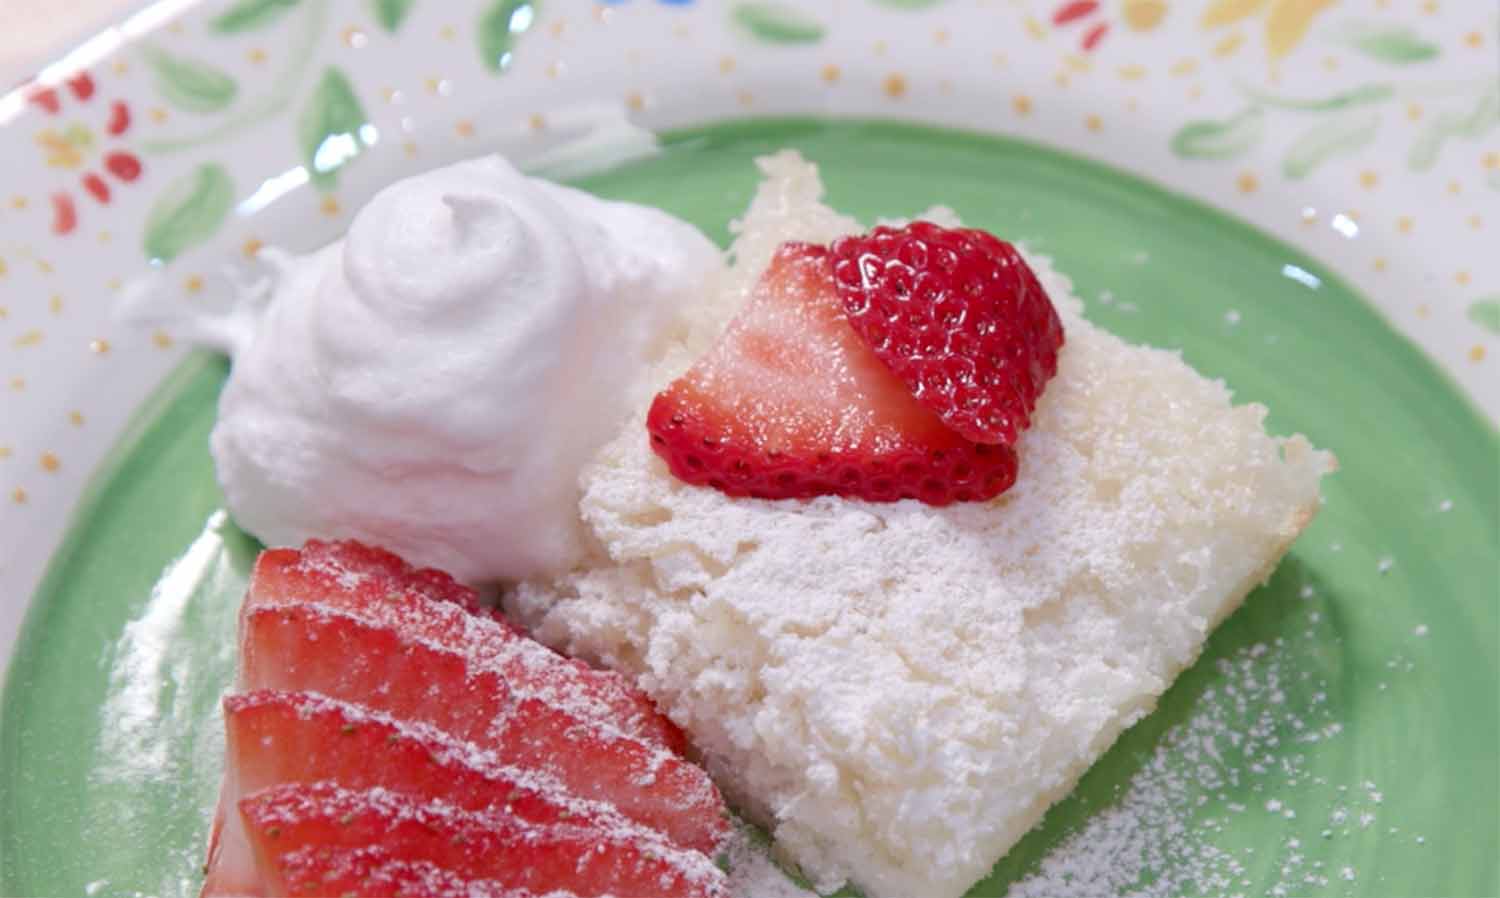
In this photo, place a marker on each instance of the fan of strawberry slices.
(900, 364)
(394, 738)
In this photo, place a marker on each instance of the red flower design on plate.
(1091, 18)
(76, 146)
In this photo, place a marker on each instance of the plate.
(1295, 195)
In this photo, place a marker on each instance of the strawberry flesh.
(298, 737)
(315, 648)
(791, 403)
(492, 845)
(371, 872)
(342, 576)
(455, 752)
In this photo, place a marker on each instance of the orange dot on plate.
(50, 462)
(1477, 353)
(1021, 104)
(1247, 182)
(895, 86)
(831, 74)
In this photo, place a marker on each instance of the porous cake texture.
(898, 692)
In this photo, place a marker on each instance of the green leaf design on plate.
(248, 15)
(1359, 96)
(1397, 45)
(188, 212)
(777, 23)
(499, 26)
(330, 128)
(1335, 137)
(1209, 139)
(1485, 312)
(1473, 124)
(190, 84)
(391, 13)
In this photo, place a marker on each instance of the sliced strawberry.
(228, 868)
(372, 585)
(791, 403)
(959, 317)
(372, 569)
(371, 872)
(310, 647)
(294, 737)
(492, 845)
(297, 737)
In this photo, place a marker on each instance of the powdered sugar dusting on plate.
(1251, 731)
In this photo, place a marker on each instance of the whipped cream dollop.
(435, 382)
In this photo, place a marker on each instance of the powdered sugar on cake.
(898, 691)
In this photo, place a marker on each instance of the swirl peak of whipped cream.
(435, 382)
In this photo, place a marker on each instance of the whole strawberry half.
(792, 403)
(959, 317)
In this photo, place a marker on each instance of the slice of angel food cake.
(900, 600)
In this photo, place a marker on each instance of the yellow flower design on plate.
(1286, 21)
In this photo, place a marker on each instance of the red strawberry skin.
(491, 846)
(311, 647)
(959, 317)
(791, 403)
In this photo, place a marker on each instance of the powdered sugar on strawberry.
(394, 734)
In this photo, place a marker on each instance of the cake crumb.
(753, 872)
